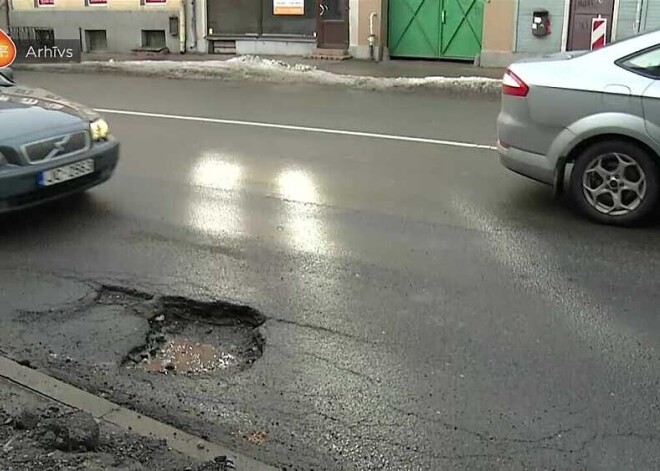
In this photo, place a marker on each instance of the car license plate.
(66, 173)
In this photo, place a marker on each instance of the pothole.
(189, 337)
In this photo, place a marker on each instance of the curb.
(111, 413)
(226, 71)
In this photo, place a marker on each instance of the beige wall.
(111, 5)
(366, 7)
(498, 25)
(360, 10)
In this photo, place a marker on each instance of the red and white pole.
(598, 33)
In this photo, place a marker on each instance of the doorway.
(581, 14)
(332, 19)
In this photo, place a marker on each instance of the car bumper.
(528, 164)
(19, 188)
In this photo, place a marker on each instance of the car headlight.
(99, 129)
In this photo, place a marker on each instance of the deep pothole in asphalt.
(190, 337)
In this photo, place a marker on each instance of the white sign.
(288, 7)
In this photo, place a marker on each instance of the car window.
(646, 63)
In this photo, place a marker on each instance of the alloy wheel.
(614, 184)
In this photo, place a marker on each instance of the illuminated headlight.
(99, 129)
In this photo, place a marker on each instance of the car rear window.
(646, 63)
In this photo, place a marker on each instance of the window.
(647, 63)
(96, 40)
(153, 38)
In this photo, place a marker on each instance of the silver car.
(589, 124)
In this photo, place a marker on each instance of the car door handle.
(444, 17)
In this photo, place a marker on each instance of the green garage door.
(435, 29)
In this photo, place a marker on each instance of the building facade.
(490, 32)
(100, 25)
(569, 25)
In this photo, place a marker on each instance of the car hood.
(37, 112)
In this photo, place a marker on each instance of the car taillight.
(512, 85)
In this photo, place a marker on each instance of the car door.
(652, 110)
(647, 64)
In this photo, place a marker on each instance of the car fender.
(603, 124)
(590, 127)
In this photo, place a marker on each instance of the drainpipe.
(182, 27)
(638, 17)
(372, 36)
(8, 6)
(193, 23)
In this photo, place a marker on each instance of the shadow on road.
(542, 210)
(66, 214)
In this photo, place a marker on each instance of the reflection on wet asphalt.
(426, 308)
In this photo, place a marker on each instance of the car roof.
(629, 46)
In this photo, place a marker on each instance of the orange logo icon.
(7, 50)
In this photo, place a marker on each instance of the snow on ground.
(256, 68)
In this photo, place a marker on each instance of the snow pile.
(257, 62)
(275, 71)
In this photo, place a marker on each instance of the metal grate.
(36, 35)
(56, 147)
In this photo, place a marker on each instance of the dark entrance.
(234, 17)
(255, 18)
(332, 31)
(582, 12)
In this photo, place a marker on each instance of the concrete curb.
(273, 72)
(106, 411)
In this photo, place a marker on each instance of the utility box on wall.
(174, 25)
(541, 23)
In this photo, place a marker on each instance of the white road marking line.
(391, 137)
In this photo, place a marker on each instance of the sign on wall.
(288, 7)
(97, 2)
(46, 3)
(598, 33)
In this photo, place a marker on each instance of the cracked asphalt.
(424, 308)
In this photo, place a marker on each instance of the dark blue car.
(49, 147)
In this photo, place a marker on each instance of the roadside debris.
(50, 438)
(77, 431)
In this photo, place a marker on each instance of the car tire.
(615, 182)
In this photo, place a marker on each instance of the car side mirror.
(7, 73)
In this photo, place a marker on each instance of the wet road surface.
(425, 309)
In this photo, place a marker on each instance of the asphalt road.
(425, 308)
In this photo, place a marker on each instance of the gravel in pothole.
(193, 338)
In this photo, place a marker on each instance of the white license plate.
(66, 173)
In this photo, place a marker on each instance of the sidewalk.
(46, 424)
(361, 68)
(449, 77)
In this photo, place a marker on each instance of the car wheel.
(615, 182)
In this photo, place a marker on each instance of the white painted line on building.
(341, 132)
